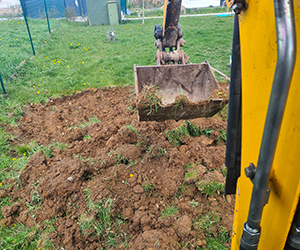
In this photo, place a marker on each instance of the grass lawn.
(76, 56)
(15, 44)
(160, 12)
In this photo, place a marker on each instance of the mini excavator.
(263, 132)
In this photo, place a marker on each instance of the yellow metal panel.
(165, 16)
(259, 56)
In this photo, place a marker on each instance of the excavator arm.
(174, 89)
(170, 36)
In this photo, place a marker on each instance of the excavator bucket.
(178, 91)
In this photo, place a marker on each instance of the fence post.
(2, 85)
(47, 16)
(28, 30)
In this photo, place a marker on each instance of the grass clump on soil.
(30, 149)
(104, 226)
(4, 202)
(10, 169)
(86, 137)
(154, 151)
(19, 237)
(162, 152)
(122, 160)
(223, 113)
(176, 136)
(148, 187)
(92, 120)
(44, 239)
(8, 163)
(48, 150)
(132, 129)
(35, 197)
(191, 174)
(210, 188)
(149, 98)
(222, 136)
(168, 211)
(22, 153)
(184, 189)
(216, 237)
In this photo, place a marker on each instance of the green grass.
(19, 237)
(48, 150)
(168, 211)
(15, 46)
(206, 10)
(111, 63)
(176, 136)
(148, 187)
(215, 240)
(133, 130)
(222, 136)
(92, 120)
(105, 227)
(210, 188)
(12, 159)
(191, 174)
(4, 202)
(159, 12)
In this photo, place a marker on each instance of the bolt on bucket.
(178, 91)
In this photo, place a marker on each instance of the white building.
(199, 3)
(7, 3)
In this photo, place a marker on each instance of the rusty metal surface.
(170, 30)
(196, 81)
(205, 109)
(173, 56)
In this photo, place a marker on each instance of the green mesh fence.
(24, 27)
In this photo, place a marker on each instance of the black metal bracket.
(250, 172)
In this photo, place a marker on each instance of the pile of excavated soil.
(126, 168)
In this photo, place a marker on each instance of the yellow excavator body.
(258, 50)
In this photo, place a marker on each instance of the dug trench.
(106, 181)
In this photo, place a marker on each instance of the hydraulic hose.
(293, 241)
(286, 53)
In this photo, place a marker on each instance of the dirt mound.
(108, 181)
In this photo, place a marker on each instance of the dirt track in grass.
(119, 182)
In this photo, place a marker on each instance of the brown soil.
(130, 162)
(222, 92)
